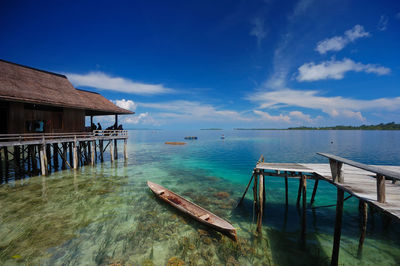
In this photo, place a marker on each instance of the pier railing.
(39, 138)
(336, 163)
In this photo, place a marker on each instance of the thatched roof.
(25, 84)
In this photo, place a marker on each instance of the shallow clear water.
(106, 214)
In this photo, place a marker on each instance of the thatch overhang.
(20, 83)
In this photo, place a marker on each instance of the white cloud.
(334, 106)
(189, 110)
(337, 43)
(274, 118)
(258, 30)
(126, 104)
(383, 22)
(103, 81)
(336, 69)
(143, 118)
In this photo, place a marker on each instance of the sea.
(106, 214)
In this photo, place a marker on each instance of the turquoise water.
(106, 214)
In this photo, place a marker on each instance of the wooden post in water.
(112, 150)
(17, 161)
(299, 191)
(43, 158)
(64, 155)
(48, 157)
(101, 151)
(380, 187)
(336, 170)
(261, 202)
(245, 191)
(75, 154)
(255, 196)
(303, 218)
(1, 166)
(364, 212)
(286, 190)
(115, 141)
(125, 149)
(338, 227)
(7, 166)
(92, 152)
(55, 156)
(314, 191)
(71, 155)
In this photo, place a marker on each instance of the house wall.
(26, 118)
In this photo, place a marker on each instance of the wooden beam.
(261, 200)
(336, 170)
(299, 191)
(286, 189)
(75, 154)
(380, 187)
(338, 227)
(303, 218)
(112, 150)
(101, 151)
(7, 163)
(92, 153)
(364, 217)
(314, 191)
(245, 191)
(125, 149)
(255, 191)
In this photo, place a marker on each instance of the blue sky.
(199, 64)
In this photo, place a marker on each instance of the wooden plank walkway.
(357, 182)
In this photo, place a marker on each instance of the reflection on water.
(106, 214)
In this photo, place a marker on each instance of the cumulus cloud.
(334, 106)
(274, 118)
(258, 30)
(336, 69)
(337, 43)
(191, 110)
(383, 22)
(126, 104)
(102, 81)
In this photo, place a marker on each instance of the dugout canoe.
(193, 210)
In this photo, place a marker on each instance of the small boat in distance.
(198, 213)
(222, 137)
(190, 137)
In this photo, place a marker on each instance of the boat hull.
(193, 210)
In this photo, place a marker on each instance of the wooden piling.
(338, 227)
(55, 156)
(64, 155)
(17, 161)
(364, 218)
(336, 170)
(48, 157)
(303, 218)
(255, 192)
(299, 191)
(7, 165)
(380, 187)
(92, 153)
(112, 150)
(1, 166)
(286, 190)
(125, 149)
(28, 159)
(75, 154)
(314, 191)
(101, 150)
(245, 191)
(261, 200)
(43, 159)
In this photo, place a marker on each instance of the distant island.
(211, 129)
(381, 126)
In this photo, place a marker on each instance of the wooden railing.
(336, 163)
(18, 139)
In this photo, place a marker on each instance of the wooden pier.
(372, 184)
(32, 154)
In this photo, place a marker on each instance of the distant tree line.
(381, 126)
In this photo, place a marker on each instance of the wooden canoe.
(198, 213)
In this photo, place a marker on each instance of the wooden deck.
(357, 182)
